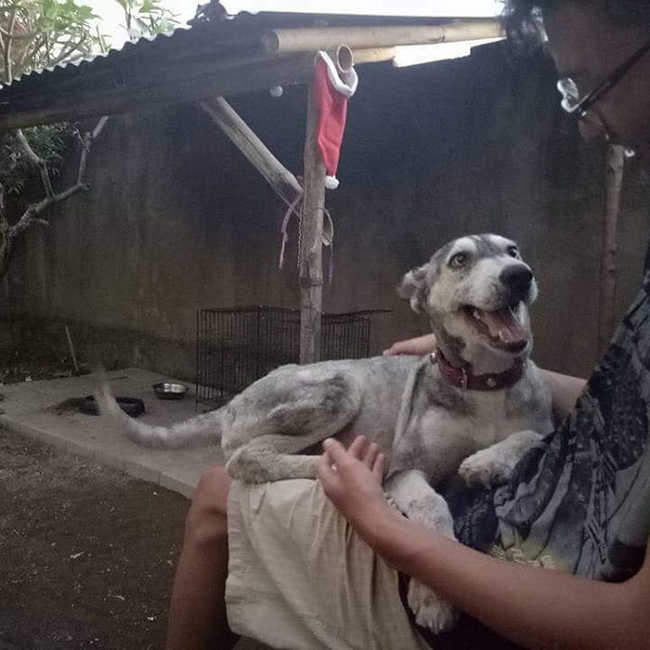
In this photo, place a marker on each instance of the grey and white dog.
(475, 407)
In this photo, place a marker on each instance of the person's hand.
(419, 345)
(352, 478)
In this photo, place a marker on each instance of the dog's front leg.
(495, 465)
(414, 497)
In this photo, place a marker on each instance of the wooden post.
(614, 182)
(311, 242)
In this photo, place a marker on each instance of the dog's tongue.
(503, 324)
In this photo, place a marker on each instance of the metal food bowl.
(169, 390)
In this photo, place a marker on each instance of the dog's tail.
(200, 430)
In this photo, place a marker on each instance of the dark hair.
(523, 17)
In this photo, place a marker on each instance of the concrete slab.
(33, 409)
(30, 408)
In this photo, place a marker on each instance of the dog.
(473, 407)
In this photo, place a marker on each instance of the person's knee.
(206, 522)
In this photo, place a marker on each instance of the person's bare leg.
(197, 612)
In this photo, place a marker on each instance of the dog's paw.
(486, 468)
(496, 464)
(430, 610)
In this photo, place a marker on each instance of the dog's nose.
(516, 277)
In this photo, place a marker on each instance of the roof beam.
(285, 41)
(254, 150)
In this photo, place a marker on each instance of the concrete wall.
(178, 220)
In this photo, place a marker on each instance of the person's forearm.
(565, 390)
(419, 345)
(537, 608)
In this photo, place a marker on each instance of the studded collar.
(462, 378)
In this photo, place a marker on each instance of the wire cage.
(234, 347)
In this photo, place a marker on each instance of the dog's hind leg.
(268, 459)
(273, 457)
(270, 426)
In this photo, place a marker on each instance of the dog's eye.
(512, 251)
(458, 261)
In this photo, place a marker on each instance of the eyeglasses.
(572, 103)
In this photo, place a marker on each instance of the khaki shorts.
(299, 578)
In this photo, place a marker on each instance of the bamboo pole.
(311, 39)
(311, 247)
(254, 150)
(608, 270)
(373, 55)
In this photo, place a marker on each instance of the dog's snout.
(516, 277)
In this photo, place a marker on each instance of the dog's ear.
(414, 287)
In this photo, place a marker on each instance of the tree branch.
(37, 162)
(18, 37)
(27, 149)
(7, 49)
(48, 47)
(86, 142)
(2, 51)
(31, 53)
(99, 127)
(27, 41)
(66, 52)
(30, 216)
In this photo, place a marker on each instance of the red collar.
(461, 378)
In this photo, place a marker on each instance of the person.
(556, 558)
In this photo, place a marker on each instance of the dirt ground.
(86, 552)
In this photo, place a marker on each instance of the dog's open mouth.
(502, 327)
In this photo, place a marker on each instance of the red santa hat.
(332, 88)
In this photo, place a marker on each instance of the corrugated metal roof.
(242, 25)
(205, 59)
(183, 37)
